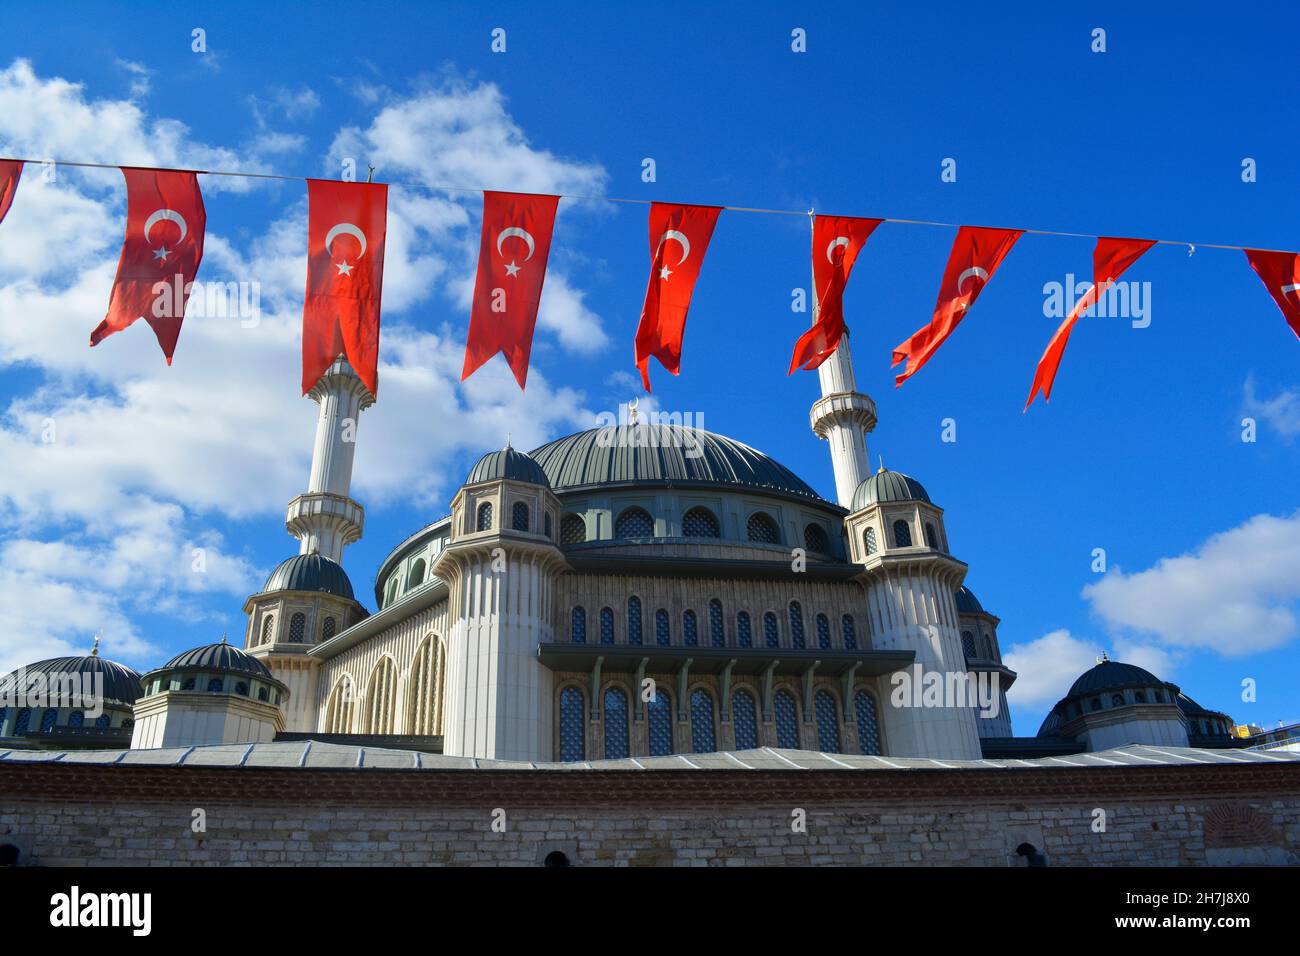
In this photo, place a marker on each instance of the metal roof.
(315, 755)
(646, 454)
(967, 602)
(121, 684)
(1112, 675)
(888, 486)
(310, 572)
(507, 463)
(220, 656)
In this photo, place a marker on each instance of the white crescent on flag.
(838, 241)
(520, 233)
(681, 238)
(345, 229)
(974, 271)
(168, 215)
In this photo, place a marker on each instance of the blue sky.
(1139, 453)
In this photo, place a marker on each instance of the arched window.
(241, 688)
(931, 536)
(796, 625)
(869, 541)
(187, 683)
(771, 637)
(634, 621)
(828, 722)
(659, 714)
(1117, 700)
(606, 625)
(902, 534)
(864, 711)
(268, 624)
(850, 632)
(744, 636)
(814, 539)
(663, 635)
(425, 689)
(519, 516)
(573, 530)
(616, 745)
(103, 720)
(48, 720)
(988, 643)
(703, 740)
(761, 528)
(787, 720)
(743, 718)
(546, 523)
(392, 590)
(415, 577)
(578, 625)
(338, 712)
(22, 722)
(634, 523)
(823, 632)
(690, 629)
(573, 730)
(76, 719)
(263, 694)
(298, 628)
(485, 516)
(380, 697)
(328, 629)
(215, 685)
(717, 636)
(700, 523)
(968, 645)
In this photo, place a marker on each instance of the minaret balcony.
(844, 409)
(321, 509)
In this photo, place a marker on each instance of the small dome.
(121, 684)
(219, 657)
(508, 464)
(967, 602)
(888, 486)
(1113, 675)
(310, 572)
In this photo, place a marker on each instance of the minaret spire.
(325, 518)
(843, 415)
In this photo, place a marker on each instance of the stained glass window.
(573, 729)
(864, 710)
(690, 629)
(850, 632)
(771, 637)
(828, 722)
(663, 636)
(578, 625)
(606, 625)
(519, 516)
(823, 632)
(616, 745)
(787, 720)
(659, 712)
(634, 621)
(700, 523)
(634, 523)
(744, 720)
(762, 528)
(717, 637)
(744, 636)
(702, 737)
(796, 625)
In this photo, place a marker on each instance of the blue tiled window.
(102, 721)
(864, 710)
(573, 730)
(690, 629)
(22, 722)
(662, 635)
(578, 625)
(659, 713)
(744, 720)
(703, 740)
(48, 720)
(771, 636)
(606, 625)
(787, 720)
(796, 625)
(634, 621)
(76, 719)
(717, 636)
(828, 722)
(823, 632)
(616, 746)
(850, 632)
(744, 637)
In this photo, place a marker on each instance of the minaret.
(843, 416)
(325, 519)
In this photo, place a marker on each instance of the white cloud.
(1281, 412)
(140, 76)
(1236, 594)
(1046, 667)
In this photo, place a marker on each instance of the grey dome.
(218, 657)
(1112, 675)
(508, 464)
(121, 684)
(663, 455)
(310, 572)
(888, 486)
(967, 602)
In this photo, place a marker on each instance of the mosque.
(635, 590)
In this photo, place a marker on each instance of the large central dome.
(645, 454)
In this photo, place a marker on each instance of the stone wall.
(73, 814)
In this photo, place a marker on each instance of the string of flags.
(347, 227)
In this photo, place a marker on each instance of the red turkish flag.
(976, 254)
(512, 253)
(165, 220)
(679, 237)
(1280, 272)
(10, 170)
(347, 224)
(1110, 258)
(837, 240)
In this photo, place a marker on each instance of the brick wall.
(79, 814)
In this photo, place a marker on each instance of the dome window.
(1117, 700)
(931, 536)
(700, 523)
(519, 516)
(634, 523)
(416, 575)
(187, 683)
(262, 693)
(215, 685)
(606, 625)
(22, 721)
(634, 621)
(1094, 704)
(241, 688)
(690, 629)
(796, 625)
(814, 539)
(869, 543)
(663, 635)
(716, 635)
(573, 530)
(76, 719)
(761, 528)
(48, 720)
(1139, 697)
(268, 625)
(850, 632)
(484, 517)
(744, 634)
(298, 628)
(771, 636)
(328, 629)
(823, 632)
(902, 534)
(103, 721)
(968, 645)
(547, 525)
(578, 625)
